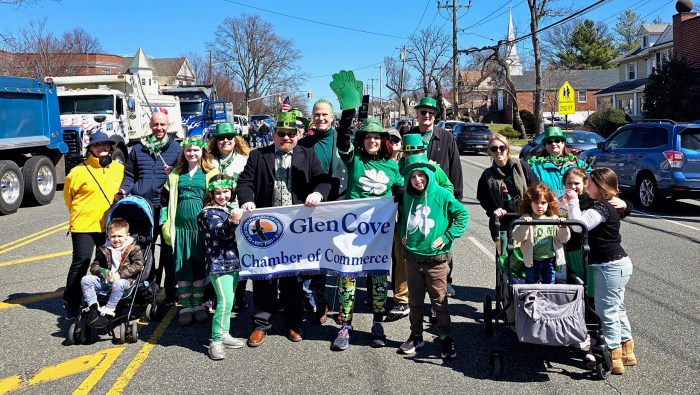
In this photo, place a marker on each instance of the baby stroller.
(551, 314)
(138, 212)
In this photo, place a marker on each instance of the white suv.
(240, 122)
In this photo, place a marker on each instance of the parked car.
(576, 140)
(448, 124)
(268, 119)
(240, 123)
(472, 137)
(653, 159)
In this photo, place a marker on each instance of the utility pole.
(381, 105)
(371, 95)
(455, 54)
(403, 68)
(211, 69)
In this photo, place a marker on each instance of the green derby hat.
(286, 120)
(429, 104)
(414, 162)
(412, 142)
(551, 133)
(225, 129)
(373, 125)
(300, 116)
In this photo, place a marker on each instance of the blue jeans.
(92, 284)
(544, 268)
(265, 139)
(610, 282)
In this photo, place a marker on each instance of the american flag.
(286, 106)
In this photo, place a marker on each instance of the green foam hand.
(347, 89)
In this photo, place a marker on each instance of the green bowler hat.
(553, 132)
(417, 161)
(225, 129)
(428, 103)
(300, 116)
(412, 142)
(373, 125)
(286, 120)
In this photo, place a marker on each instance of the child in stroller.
(116, 266)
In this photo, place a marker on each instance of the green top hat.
(225, 129)
(412, 142)
(417, 161)
(300, 116)
(553, 132)
(286, 120)
(373, 125)
(428, 103)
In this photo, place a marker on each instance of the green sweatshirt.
(430, 214)
(371, 177)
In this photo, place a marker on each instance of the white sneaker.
(107, 312)
(412, 344)
(231, 342)
(216, 350)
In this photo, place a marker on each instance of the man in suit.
(281, 174)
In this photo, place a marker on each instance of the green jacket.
(430, 214)
(440, 176)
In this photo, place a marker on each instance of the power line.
(317, 22)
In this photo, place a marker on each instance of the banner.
(348, 237)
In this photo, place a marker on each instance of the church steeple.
(512, 58)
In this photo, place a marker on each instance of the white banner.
(348, 237)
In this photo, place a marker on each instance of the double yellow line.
(32, 238)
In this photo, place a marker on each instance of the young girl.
(610, 262)
(542, 245)
(218, 226)
(182, 198)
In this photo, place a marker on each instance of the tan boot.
(628, 357)
(617, 366)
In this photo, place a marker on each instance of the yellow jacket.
(87, 205)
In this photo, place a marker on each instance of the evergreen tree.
(590, 47)
(672, 92)
(627, 27)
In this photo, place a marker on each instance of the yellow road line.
(141, 356)
(10, 384)
(36, 258)
(32, 235)
(41, 236)
(99, 371)
(28, 300)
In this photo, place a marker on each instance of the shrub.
(528, 119)
(606, 121)
(511, 133)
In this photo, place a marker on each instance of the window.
(582, 96)
(645, 41)
(619, 140)
(690, 139)
(631, 71)
(106, 71)
(143, 81)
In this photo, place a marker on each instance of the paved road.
(662, 298)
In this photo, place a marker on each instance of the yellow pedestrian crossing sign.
(567, 102)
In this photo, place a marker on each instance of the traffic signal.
(309, 95)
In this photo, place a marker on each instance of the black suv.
(654, 158)
(471, 136)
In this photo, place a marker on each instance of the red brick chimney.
(686, 36)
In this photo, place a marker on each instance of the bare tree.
(431, 54)
(78, 40)
(200, 67)
(261, 60)
(495, 64)
(396, 76)
(556, 40)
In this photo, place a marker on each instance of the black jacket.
(143, 173)
(443, 151)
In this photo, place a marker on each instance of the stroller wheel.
(134, 336)
(488, 314)
(496, 364)
(72, 337)
(122, 333)
(149, 311)
(602, 371)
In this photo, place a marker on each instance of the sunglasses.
(425, 112)
(501, 148)
(395, 140)
(222, 138)
(554, 141)
(300, 125)
(282, 135)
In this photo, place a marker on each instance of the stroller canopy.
(137, 211)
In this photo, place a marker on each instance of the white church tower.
(512, 58)
(142, 68)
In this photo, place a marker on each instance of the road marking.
(32, 235)
(29, 300)
(668, 220)
(133, 367)
(477, 164)
(33, 239)
(36, 258)
(485, 250)
(98, 362)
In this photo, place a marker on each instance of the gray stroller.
(548, 314)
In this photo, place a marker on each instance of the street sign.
(567, 102)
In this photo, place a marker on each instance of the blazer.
(256, 183)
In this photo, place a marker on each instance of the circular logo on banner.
(262, 230)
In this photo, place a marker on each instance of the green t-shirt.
(543, 247)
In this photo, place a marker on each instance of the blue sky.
(173, 28)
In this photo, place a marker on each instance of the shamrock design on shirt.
(375, 182)
(420, 221)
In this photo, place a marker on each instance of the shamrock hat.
(417, 162)
(551, 133)
(225, 129)
(286, 120)
(412, 142)
(428, 103)
(300, 116)
(373, 125)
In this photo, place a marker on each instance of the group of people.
(556, 183)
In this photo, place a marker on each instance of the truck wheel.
(11, 187)
(119, 156)
(39, 176)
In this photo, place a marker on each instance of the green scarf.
(225, 162)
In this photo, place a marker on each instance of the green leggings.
(346, 294)
(225, 288)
